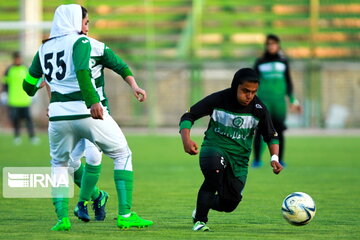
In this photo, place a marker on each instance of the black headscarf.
(241, 76)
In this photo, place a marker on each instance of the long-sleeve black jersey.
(231, 125)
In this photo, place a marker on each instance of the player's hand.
(296, 108)
(96, 111)
(140, 94)
(276, 167)
(191, 147)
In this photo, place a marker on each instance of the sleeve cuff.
(274, 141)
(185, 124)
(89, 101)
(292, 99)
(125, 72)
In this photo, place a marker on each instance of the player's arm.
(5, 86)
(115, 63)
(200, 109)
(81, 58)
(33, 80)
(270, 136)
(295, 106)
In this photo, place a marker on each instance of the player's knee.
(230, 206)
(59, 163)
(75, 164)
(93, 156)
(122, 159)
(213, 178)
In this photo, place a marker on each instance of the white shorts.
(105, 134)
(85, 148)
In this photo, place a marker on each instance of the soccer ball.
(298, 208)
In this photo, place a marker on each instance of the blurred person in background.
(275, 84)
(17, 100)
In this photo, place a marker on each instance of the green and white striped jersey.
(103, 57)
(59, 63)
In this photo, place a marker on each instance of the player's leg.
(212, 164)
(15, 121)
(90, 176)
(107, 135)
(75, 161)
(93, 156)
(29, 125)
(229, 196)
(62, 141)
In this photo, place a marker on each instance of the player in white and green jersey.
(101, 57)
(76, 112)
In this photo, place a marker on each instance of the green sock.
(95, 193)
(78, 175)
(77, 180)
(88, 181)
(124, 186)
(61, 207)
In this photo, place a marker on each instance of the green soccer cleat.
(62, 225)
(200, 226)
(133, 221)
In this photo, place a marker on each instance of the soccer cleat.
(62, 225)
(17, 141)
(193, 215)
(133, 221)
(200, 226)
(256, 164)
(35, 141)
(283, 164)
(76, 210)
(99, 206)
(82, 211)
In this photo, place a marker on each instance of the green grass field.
(166, 184)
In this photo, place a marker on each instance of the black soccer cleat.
(82, 211)
(99, 206)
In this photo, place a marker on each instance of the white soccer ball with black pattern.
(298, 208)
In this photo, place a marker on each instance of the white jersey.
(56, 58)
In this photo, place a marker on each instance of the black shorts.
(229, 186)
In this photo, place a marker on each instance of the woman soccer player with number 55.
(76, 111)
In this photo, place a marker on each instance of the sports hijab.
(67, 20)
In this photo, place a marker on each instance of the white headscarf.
(67, 20)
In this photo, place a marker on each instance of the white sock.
(126, 215)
